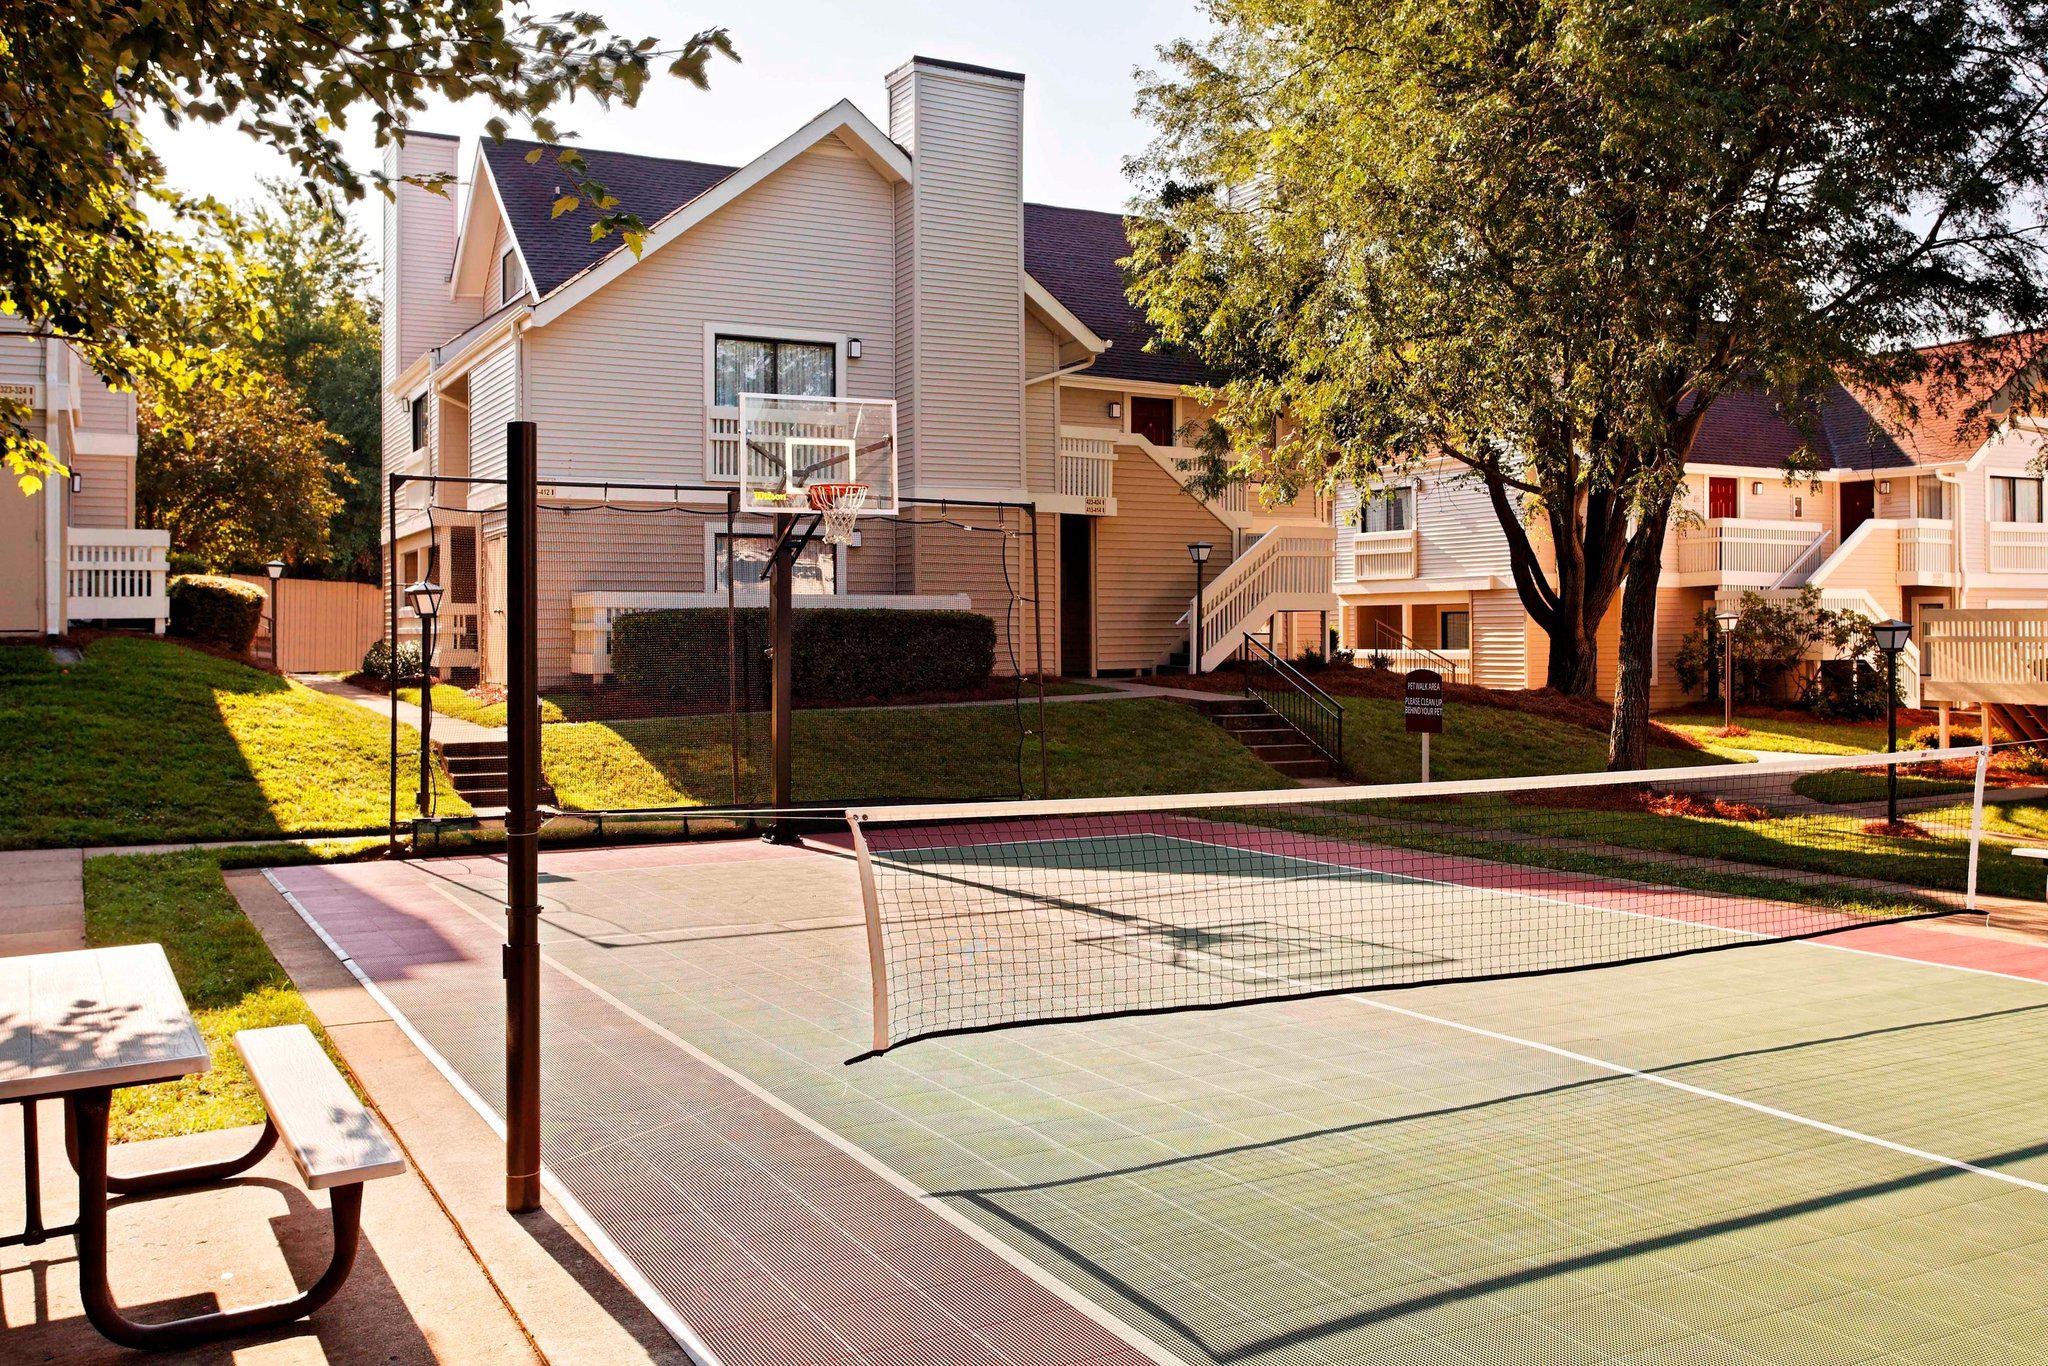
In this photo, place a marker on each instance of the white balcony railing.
(1926, 552)
(1737, 551)
(1288, 569)
(1400, 659)
(1383, 555)
(456, 638)
(1996, 654)
(2019, 548)
(117, 575)
(1087, 467)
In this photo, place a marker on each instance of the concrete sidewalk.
(42, 901)
(446, 727)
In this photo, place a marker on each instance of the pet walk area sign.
(1422, 708)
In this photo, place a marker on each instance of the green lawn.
(147, 741)
(1143, 745)
(1771, 734)
(450, 700)
(224, 968)
(1479, 742)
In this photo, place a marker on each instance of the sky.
(798, 57)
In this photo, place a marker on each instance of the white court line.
(1044, 1279)
(621, 1266)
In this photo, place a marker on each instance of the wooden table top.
(91, 1018)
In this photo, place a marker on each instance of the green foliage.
(377, 661)
(842, 654)
(89, 239)
(1539, 242)
(216, 610)
(1774, 639)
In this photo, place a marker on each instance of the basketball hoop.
(840, 506)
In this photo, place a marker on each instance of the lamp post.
(274, 568)
(1891, 638)
(1198, 551)
(1727, 621)
(425, 598)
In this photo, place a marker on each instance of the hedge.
(217, 610)
(842, 654)
(377, 664)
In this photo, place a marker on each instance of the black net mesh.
(990, 915)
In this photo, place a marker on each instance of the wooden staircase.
(1269, 736)
(2021, 721)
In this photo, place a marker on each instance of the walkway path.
(445, 727)
(42, 901)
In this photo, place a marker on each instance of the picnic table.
(78, 1026)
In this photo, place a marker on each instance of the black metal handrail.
(1298, 701)
(1385, 638)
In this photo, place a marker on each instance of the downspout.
(1955, 524)
(56, 603)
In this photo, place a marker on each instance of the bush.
(1774, 639)
(377, 662)
(1929, 737)
(216, 610)
(842, 654)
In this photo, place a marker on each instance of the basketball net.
(838, 506)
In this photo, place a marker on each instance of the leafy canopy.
(81, 257)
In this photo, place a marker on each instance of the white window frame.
(418, 401)
(770, 332)
(1447, 610)
(753, 529)
(1992, 510)
(505, 295)
(1367, 499)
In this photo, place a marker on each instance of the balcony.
(1737, 552)
(455, 642)
(1927, 556)
(1087, 474)
(1383, 555)
(1997, 655)
(2019, 548)
(117, 575)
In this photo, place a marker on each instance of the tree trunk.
(1628, 739)
(1573, 658)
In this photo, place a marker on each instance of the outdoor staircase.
(480, 771)
(1269, 736)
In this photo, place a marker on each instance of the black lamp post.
(275, 568)
(425, 597)
(1727, 621)
(1891, 638)
(1198, 551)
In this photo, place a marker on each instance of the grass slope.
(145, 740)
(1479, 742)
(1093, 748)
(1776, 734)
(224, 968)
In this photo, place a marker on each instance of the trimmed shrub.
(1929, 737)
(842, 654)
(216, 610)
(377, 662)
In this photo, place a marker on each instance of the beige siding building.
(70, 553)
(845, 260)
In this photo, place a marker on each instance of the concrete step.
(481, 763)
(1235, 706)
(470, 749)
(1282, 753)
(487, 796)
(1303, 768)
(1250, 720)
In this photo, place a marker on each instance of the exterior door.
(1077, 595)
(1152, 418)
(1858, 501)
(1720, 497)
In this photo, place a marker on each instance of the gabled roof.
(557, 248)
(1071, 253)
(1941, 419)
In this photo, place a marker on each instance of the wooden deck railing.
(1986, 654)
(117, 575)
(1289, 569)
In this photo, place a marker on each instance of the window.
(1453, 630)
(419, 423)
(1931, 500)
(816, 572)
(752, 365)
(2014, 499)
(510, 285)
(1388, 510)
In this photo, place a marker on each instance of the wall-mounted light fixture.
(77, 482)
(853, 348)
(1116, 410)
(1798, 507)
(1756, 488)
(1884, 486)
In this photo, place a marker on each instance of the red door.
(1152, 418)
(1858, 500)
(1720, 497)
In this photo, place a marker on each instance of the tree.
(80, 255)
(1538, 241)
(238, 474)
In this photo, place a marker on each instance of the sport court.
(1815, 1151)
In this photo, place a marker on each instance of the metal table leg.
(86, 1126)
(33, 1229)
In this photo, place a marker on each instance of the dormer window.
(510, 285)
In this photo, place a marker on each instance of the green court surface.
(1787, 1152)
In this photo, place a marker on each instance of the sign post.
(1422, 708)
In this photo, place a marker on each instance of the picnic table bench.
(78, 1026)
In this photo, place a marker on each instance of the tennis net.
(991, 914)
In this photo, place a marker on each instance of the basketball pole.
(522, 822)
(782, 644)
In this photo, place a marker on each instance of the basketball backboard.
(789, 443)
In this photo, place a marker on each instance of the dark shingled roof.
(557, 248)
(1072, 252)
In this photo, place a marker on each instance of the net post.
(871, 911)
(1038, 652)
(522, 824)
(1977, 823)
(732, 646)
(397, 481)
(781, 635)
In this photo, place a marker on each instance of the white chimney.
(960, 348)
